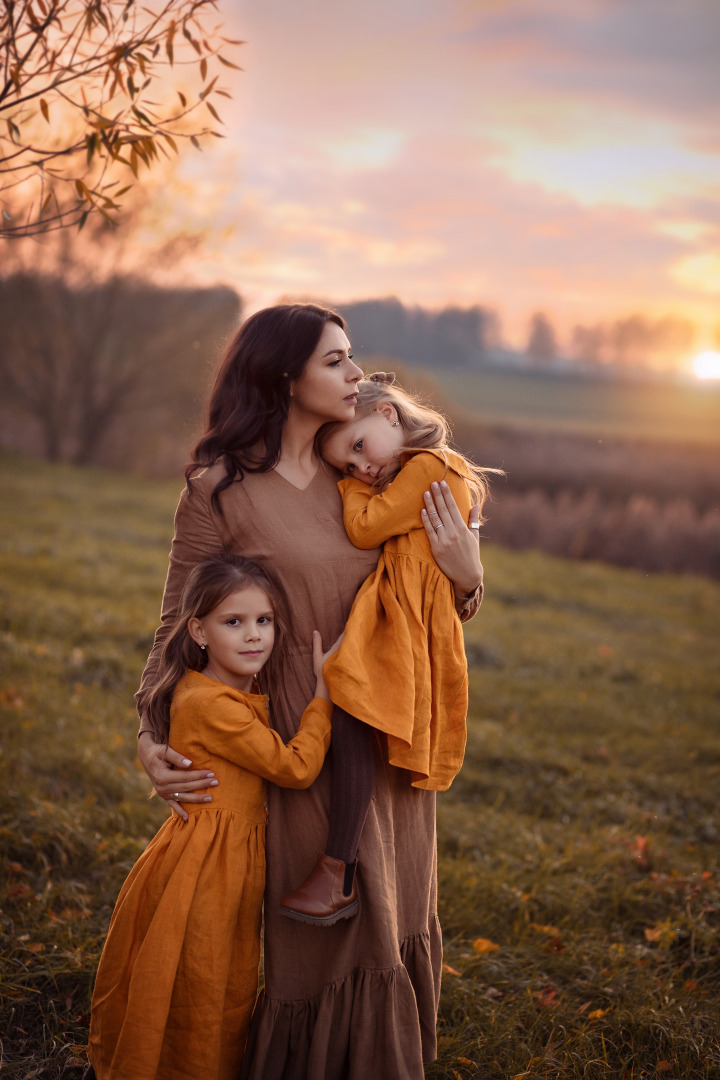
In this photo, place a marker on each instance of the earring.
(203, 648)
(396, 423)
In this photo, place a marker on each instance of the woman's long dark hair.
(207, 586)
(251, 397)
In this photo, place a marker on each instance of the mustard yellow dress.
(178, 976)
(401, 667)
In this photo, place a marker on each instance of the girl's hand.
(319, 658)
(171, 776)
(455, 545)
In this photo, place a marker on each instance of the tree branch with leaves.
(85, 101)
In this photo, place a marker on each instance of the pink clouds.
(518, 154)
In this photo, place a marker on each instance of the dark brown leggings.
(353, 780)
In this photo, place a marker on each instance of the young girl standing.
(401, 668)
(178, 976)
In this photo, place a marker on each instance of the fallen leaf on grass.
(484, 945)
(546, 997)
(69, 914)
(663, 1066)
(18, 890)
(545, 929)
(597, 1013)
(11, 698)
(663, 933)
(641, 854)
(450, 970)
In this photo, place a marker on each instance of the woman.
(359, 998)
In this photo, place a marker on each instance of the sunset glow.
(527, 155)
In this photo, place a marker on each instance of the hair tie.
(386, 377)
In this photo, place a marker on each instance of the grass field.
(682, 411)
(578, 848)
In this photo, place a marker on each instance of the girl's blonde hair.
(424, 428)
(207, 586)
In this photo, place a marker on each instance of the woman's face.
(327, 388)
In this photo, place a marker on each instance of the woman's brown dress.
(358, 999)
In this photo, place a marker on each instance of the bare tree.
(79, 81)
(81, 364)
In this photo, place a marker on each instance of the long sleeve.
(197, 536)
(371, 519)
(236, 734)
(467, 607)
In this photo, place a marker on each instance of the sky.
(525, 155)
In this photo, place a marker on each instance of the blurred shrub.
(640, 532)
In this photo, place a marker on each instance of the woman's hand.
(319, 658)
(170, 776)
(454, 544)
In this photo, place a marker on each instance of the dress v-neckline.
(295, 487)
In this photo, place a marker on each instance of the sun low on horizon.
(706, 365)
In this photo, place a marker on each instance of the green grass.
(580, 839)
(681, 411)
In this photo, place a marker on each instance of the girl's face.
(239, 635)
(365, 448)
(327, 388)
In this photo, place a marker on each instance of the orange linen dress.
(179, 972)
(401, 667)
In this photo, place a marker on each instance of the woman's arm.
(455, 546)
(197, 537)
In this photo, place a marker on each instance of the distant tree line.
(453, 337)
(463, 338)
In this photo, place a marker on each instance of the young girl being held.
(401, 668)
(178, 975)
